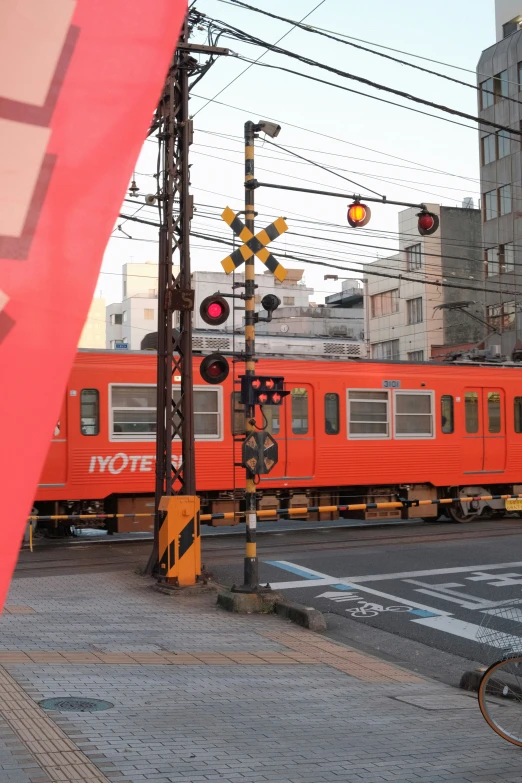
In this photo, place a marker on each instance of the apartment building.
(418, 301)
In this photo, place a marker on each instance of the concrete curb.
(306, 616)
(247, 603)
(470, 680)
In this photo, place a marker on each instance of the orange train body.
(347, 430)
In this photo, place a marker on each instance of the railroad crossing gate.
(179, 540)
(254, 245)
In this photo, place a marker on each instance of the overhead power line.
(240, 35)
(345, 42)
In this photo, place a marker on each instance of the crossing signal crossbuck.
(262, 389)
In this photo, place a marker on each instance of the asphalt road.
(414, 594)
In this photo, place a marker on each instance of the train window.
(89, 412)
(331, 413)
(413, 415)
(368, 414)
(273, 419)
(471, 411)
(299, 411)
(518, 414)
(494, 423)
(446, 414)
(133, 413)
(237, 414)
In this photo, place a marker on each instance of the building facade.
(411, 296)
(93, 334)
(499, 77)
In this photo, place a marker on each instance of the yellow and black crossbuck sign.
(254, 245)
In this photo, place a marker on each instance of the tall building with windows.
(499, 76)
(410, 312)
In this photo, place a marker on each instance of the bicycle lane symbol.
(360, 607)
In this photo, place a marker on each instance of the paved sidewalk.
(200, 695)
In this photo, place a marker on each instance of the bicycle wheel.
(500, 698)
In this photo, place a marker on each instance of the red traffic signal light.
(214, 368)
(428, 223)
(214, 310)
(262, 390)
(358, 215)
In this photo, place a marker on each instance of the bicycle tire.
(501, 688)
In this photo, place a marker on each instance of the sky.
(395, 152)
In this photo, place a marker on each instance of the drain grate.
(73, 704)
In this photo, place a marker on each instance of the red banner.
(79, 81)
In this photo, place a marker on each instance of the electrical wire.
(260, 56)
(236, 34)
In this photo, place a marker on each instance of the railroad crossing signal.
(358, 215)
(260, 452)
(254, 245)
(262, 389)
(428, 223)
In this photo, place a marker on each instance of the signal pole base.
(248, 602)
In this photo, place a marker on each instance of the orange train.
(360, 431)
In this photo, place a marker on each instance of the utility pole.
(175, 407)
(251, 571)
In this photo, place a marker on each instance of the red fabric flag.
(79, 81)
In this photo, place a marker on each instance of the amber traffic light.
(358, 215)
(214, 368)
(214, 310)
(428, 223)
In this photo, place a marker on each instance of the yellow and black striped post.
(251, 575)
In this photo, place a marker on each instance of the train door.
(54, 473)
(484, 431)
(299, 431)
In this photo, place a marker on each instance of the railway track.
(224, 549)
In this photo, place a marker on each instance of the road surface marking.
(469, 631)
(431, 572)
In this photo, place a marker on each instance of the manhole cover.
(72, 704)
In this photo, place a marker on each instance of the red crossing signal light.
(214, 368)
(358, 215)
(262, 390)
(427, 223)
(214, 310)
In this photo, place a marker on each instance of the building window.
(414, 257)
(386, 350)
(508, 315)
(124, 289)
(148, 314)
(331, 413)
(288, 300)
(89, 411)
(494, 316)
(124, 317)
(492, 265)
(133, 413)
(504, 197)
(507, 257)
(118, 319)
(494, 422)
(299, 411)
(273, 419)
(501, 316)
(518, 414)
(385, 303)
(416, 356)
(152, 293)
(501, 88)
(368, 414)
(488, 149)
(446, 414)
(238, 418)
(413, 415)
(490, 205)
(487, 97)
(414, 310)
(510, 27)
(504, 143)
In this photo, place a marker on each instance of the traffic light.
(214, 368)
(262, 389)
(358, 215)
(428, 223)
(214, 310)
